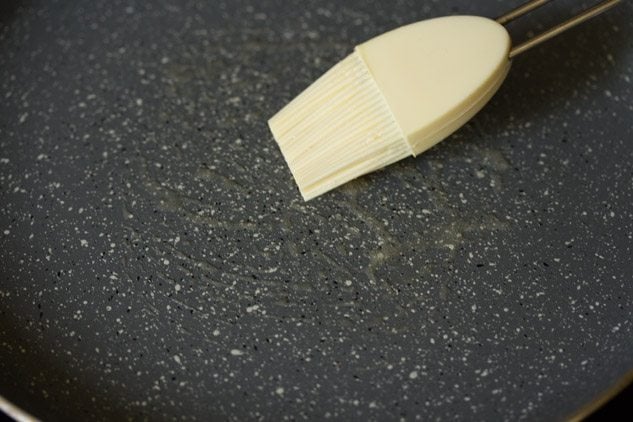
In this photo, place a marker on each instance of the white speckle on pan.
(413, 375)
(84, 243)
(279, 391)
(236, 352)
(177, 359)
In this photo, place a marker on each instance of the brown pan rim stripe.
(602, 398)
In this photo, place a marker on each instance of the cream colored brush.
(398, 95)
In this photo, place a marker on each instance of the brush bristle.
(338, 129)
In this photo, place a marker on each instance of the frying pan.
(157, 262)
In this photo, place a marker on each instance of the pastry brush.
(399, 94)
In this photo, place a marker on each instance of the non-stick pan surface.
(157, 261)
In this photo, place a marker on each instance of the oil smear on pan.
(448, 226)
(293, 251)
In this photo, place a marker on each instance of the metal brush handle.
(552, 32)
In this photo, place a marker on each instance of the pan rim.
(15, 412)
(20, 415)
(602, 398)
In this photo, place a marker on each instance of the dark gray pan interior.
(157, 261)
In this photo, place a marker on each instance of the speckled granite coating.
(157, 261)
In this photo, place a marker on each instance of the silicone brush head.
(394, 96)
(338, 129)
